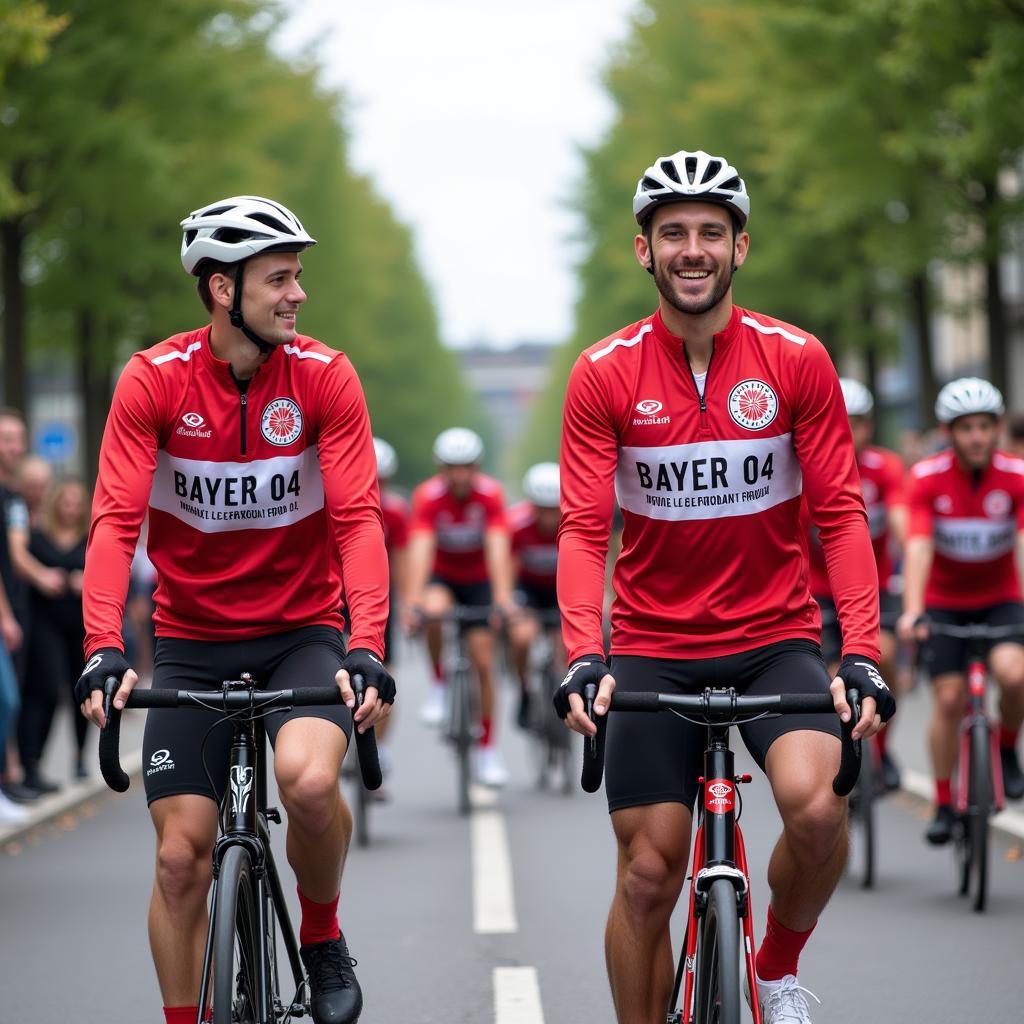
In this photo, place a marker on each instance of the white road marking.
(517, 996)
(494, 907)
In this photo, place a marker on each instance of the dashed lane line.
(517, 996)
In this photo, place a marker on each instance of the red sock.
(319, 921)
(943, 792)
(438, 671)
(780, 950)
(1008, 737)
(485, 731)
(881, 740)
(180, 1014)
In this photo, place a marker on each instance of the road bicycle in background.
(242, 980)
(552, 741)
(978, 792)
(719, 933)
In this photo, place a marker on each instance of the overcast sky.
(468, 114)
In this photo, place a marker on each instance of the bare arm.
(498, 555)
(44, 578)
(419, 561)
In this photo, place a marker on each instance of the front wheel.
(863, 808)
(236, 943)
(460, 732)
(718, 958)
(979, 808)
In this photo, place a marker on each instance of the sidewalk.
(58, 766)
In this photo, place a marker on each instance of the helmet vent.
(233, 235)
(650, 185)
(216, 211)
(668, 168)
(691, 168)
(272, 222)
(713, 167)
(732, 185)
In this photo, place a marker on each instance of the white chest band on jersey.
(215, 497)
(973, 540)
(708, 479)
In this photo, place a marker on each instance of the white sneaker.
(432, 711)
(782, 1001)
(11, 813)
(490, 769)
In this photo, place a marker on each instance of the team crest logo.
(281, 422)
(997, 504)
(649, 407)
(944, 504)
(753, 404)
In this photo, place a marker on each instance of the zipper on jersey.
(700, 397)
(241, 409)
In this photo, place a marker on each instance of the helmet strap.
(235, 313)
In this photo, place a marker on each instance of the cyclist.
(534, 525)
(882, 484)
(961, 566)
(395, 511)
(251, 445)
(459, 555)
(708, 421)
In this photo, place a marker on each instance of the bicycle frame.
(975, 712)
(244, 817)
(718, 852)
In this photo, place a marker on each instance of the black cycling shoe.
(334, 993)
(940, 831)
(890, 773)
(41, 784)
(1013, 777)
(523, 715)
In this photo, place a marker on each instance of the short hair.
(206, 271)
(1015, 426)
(10, 413)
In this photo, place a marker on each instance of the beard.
(722, 282)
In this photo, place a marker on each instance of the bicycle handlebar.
(722, 707)
(227, 701)
(975, 630)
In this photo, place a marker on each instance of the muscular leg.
(480, 647)
(186, 829)
(943, 731)
(307, 759)
(1007, 664)
(522, 632)
(808, 858)
(653, 849)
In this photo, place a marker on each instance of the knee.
(649, 884)
(949, 703)
(1008, 670)
(309, 793)
(816, 825)
(183, 868)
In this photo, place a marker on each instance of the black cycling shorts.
(944, 655)
(889, 606)
(658, 758)
(543, 599)
(173, 746)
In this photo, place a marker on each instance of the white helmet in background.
(691, 175)
(387, 459)
(234, 229)
(967, 396)
(857, 397)
(541, 485)
(458, 446)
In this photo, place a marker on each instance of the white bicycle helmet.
(387, 459)
(235, 229)
(857, 397)
(966, 396)
(697, 176)
(541, 485)
(458, 446)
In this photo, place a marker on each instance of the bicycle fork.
(977, 683)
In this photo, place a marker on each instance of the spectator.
(1015, 434)
(55, 658)
(13, 619)
(33, 482)
(10, 639)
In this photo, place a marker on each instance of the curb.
(921, 786)
(47, 808)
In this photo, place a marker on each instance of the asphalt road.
(500, 918)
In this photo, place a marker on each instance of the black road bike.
(719, 933)
(242, 976)
(552, 740)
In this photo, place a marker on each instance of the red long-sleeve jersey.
(712, 559)
(264, 510)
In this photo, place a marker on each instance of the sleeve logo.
(649, 407)
(753, 404)
(281, 422)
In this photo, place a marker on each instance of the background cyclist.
(882, 484)
(251, 445)
(534, 524)
(459, 555)
(962, 565)
(707, 421)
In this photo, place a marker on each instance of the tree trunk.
(12, 241)
(927, 389)
(998, 354)
(94, 387)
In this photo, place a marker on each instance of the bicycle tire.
(717, 994)
(867, 782)
(978, 810)
(237, 949)
(362, 814)
(461, 732)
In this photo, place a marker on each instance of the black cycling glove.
(862, 674)
(591, 668)
(106, 662)
(365, 663)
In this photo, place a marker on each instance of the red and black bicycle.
(719, 932)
